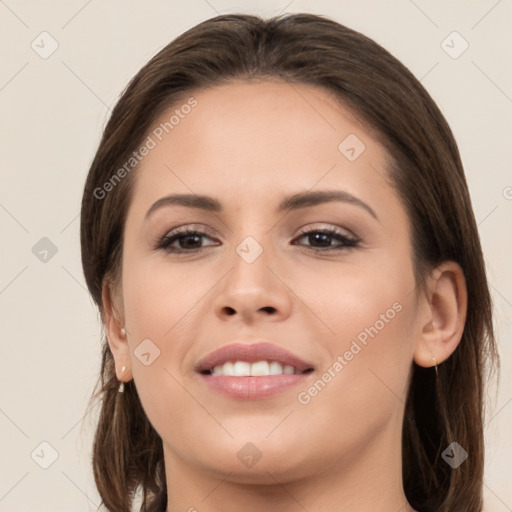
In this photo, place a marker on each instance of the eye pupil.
(189, 238)
(323, 238)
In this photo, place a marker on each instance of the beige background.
(53, 112)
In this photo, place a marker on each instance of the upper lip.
(251, 352)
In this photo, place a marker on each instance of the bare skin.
(249, 145)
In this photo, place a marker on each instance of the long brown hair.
(428, 176)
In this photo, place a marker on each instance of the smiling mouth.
(253, 369)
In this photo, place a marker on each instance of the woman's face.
(344, 304)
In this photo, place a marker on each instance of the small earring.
(123, 331)
(435, 364)
(121, 386)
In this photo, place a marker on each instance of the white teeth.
(290, 370)
(242, 369)
(259, 368)
(227, 369)
(217, 370)
(275, 368)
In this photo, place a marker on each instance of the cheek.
(373, 312)
(157, 307)
(362, 298)
(364, 383)
(156, 304)
(370, 317)
(158, 295)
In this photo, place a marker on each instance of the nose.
(253, 290)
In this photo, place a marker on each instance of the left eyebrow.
(294, 202)
(306, 199)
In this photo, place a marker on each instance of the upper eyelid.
(319, 227)
(189, 227)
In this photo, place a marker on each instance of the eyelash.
(346, 242)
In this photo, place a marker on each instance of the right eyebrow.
(188, 200)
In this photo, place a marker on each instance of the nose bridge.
(251, 258)
(252, 240)
(251, 286)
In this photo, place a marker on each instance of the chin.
(256, 460)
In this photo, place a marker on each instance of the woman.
(278, 233)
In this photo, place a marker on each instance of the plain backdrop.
(63, 66)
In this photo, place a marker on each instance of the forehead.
(249, 141)
(242, 119)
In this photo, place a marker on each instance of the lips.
(254, 371)
(252, 353)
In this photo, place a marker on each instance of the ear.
(445, 315)
(113, 319)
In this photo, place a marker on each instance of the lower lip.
(253, 388)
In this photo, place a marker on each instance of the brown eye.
(321, 239)
(188, 240)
